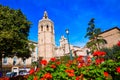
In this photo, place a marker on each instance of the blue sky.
(72, 14)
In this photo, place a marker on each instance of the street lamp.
(67, 33)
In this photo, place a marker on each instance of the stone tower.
(46, 43)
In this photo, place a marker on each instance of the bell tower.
(46, 43)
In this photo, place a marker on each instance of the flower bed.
(78, 69)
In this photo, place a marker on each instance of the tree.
(93, 34)
(112, 53)
(14, 31)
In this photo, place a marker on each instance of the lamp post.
(67, 33)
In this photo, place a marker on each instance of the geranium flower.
(70, 62)
(53, 59)
(70, 72)
(99, 53)
(31, 71)
(35, 78)
(77, 78)
(42, 78)
(88, 59)
(106, 74)
(47, 76)
(102, 60)
(102, 53)
(38, 69)
(53, 66)
(98, 61)
(68, 65)
(80, 58)
(44, 62)
(58, 62)
(81, 65)
(118, 43)
(96, 53)
(118, 69)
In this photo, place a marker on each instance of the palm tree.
(95, 40)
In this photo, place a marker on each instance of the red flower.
(77, 78)
(43, 62)
(53, 59)
(70, 62)
(99, 53)
(118, 69)
(53, 66)
(81, 65)
(47, 76)
(80, 58)
(31, 71)
(98, 61)
(38, 69)
(70, 72)
(102, 60)
(68, 65)
(106, 74)
(88, 59)
(42, 78)
(35, 78)
(58, 63)
(118, 43)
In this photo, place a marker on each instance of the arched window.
(47, 28)
(41, 27)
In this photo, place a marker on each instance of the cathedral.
(46, 41)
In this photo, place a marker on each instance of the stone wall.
(112, 36)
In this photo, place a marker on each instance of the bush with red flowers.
(81, 68)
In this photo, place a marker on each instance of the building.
(112, 36)
(8, 62)
(46, 41)
(63, 49)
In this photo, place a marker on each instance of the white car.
(23, 72)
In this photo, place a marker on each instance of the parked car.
(16, 71)
(23, 72)
(11, 74)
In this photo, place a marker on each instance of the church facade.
(46, 42)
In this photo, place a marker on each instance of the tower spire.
(45, 15)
